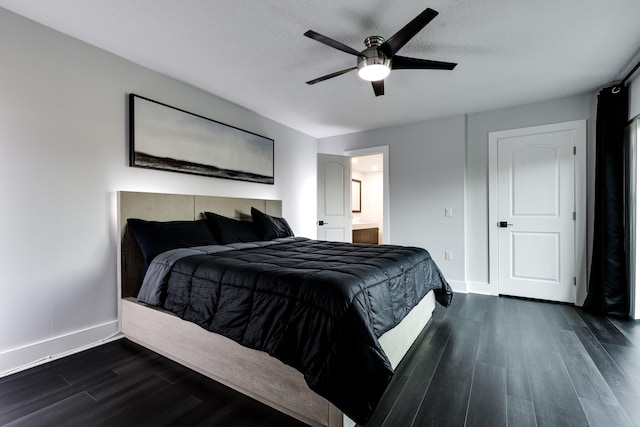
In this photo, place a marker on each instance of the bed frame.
(251, 372)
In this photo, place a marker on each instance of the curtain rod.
(633, 70)
(616, 88)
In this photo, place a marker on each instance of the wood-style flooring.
(484, 361)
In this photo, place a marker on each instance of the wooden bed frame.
(251, 372)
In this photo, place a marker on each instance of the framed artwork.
(167, 138)
(356, 195)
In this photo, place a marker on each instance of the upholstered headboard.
(171, 207)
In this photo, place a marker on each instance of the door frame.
(384, 150)
(579, 127)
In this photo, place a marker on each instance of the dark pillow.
(229, 230)
(270, 227)
(155, 237)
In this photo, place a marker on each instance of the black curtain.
(608, 292)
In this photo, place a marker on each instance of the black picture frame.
(168, 138)
(356, 195)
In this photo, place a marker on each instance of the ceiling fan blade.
(331, 42)
(378, 87)
(399, 39)
(330, 76)
(405, 63)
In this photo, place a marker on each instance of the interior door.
(536, 212)
(334, 198)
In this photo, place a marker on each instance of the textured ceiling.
(253, 53)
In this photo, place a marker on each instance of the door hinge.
(574, 281)
(574, 150)
(574, 215)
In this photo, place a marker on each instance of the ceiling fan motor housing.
(372, 55)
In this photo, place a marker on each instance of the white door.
(535, 211)
(334, 198)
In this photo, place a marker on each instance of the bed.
(250, 371)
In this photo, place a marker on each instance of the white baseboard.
(473, 287)
(458, 286)
(28, 356)
(482, 288)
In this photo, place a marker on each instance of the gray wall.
(63, 139)
(427, 169)
(443, 163)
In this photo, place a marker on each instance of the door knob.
(322, 223)
(504, 224)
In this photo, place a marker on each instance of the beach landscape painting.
(167, 138)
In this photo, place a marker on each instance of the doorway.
(537, 211)
(367, 199)
(370, 172)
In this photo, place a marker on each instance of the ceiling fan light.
(374, 72)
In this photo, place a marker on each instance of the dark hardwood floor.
(484, 361)
(122, 384)
(488, 361)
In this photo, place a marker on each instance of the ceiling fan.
(378, 59)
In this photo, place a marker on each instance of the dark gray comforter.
(317, 306)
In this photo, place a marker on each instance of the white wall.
(426, 167)
(371, 201)
(63, 157)
(372, 190)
